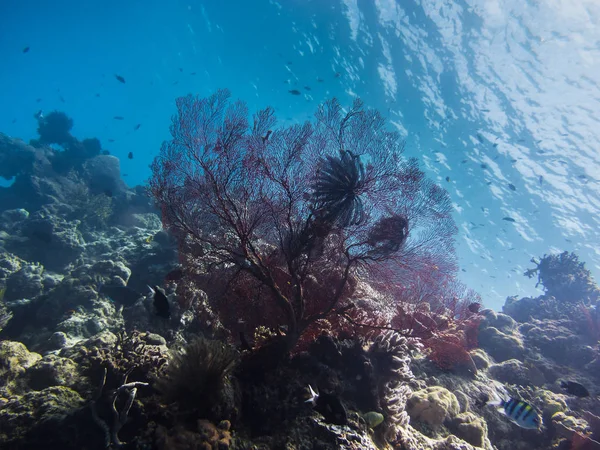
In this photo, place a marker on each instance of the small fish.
(488, 183)
(448, 179)
(180, 69)
(509, 219)
(39, 115)
(120, 78)
(483, 166)
(266, 136)
(120, 294)
(161, 303)
(463, 270)
(512, 187)
(61, 98)
(541, 180)
(108, 192)
(26, 50)
(193, 73)
(137, 127)
(480, 138)
(574, 388)
(312, 396)
(111, 140)
(295, 92)
(307, 88)
(495, 145)
(320, 80)
(513, 160)
(130, 155)
(518, 412)
(118, 117)
(149, 239)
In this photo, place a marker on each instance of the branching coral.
(298, 215)
(565, 278)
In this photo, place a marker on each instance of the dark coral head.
(55, 128)
(388, 235)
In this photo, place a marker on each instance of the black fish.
(118, 117)
(130, 155)
(137, 127)
(512, 187)
(120, 78)
(295, 92)
(161, 303)
(509, 219)
(484, 166)
(121, 294)
(448, 179)
(174, 275)
(26, 49)
(244, 344)
(574, 388)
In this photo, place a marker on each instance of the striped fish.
(519, 412)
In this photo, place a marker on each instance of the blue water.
(510, 85)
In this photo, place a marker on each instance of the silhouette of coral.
(565, 278)
(55, 128)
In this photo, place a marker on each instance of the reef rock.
(499, 337)
(432, 405)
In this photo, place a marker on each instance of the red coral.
(257, 209)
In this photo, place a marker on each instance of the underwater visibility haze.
(300, 224)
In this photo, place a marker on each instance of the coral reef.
(85, 361)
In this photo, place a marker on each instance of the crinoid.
(337, 189)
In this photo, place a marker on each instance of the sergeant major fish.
(518, 412)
